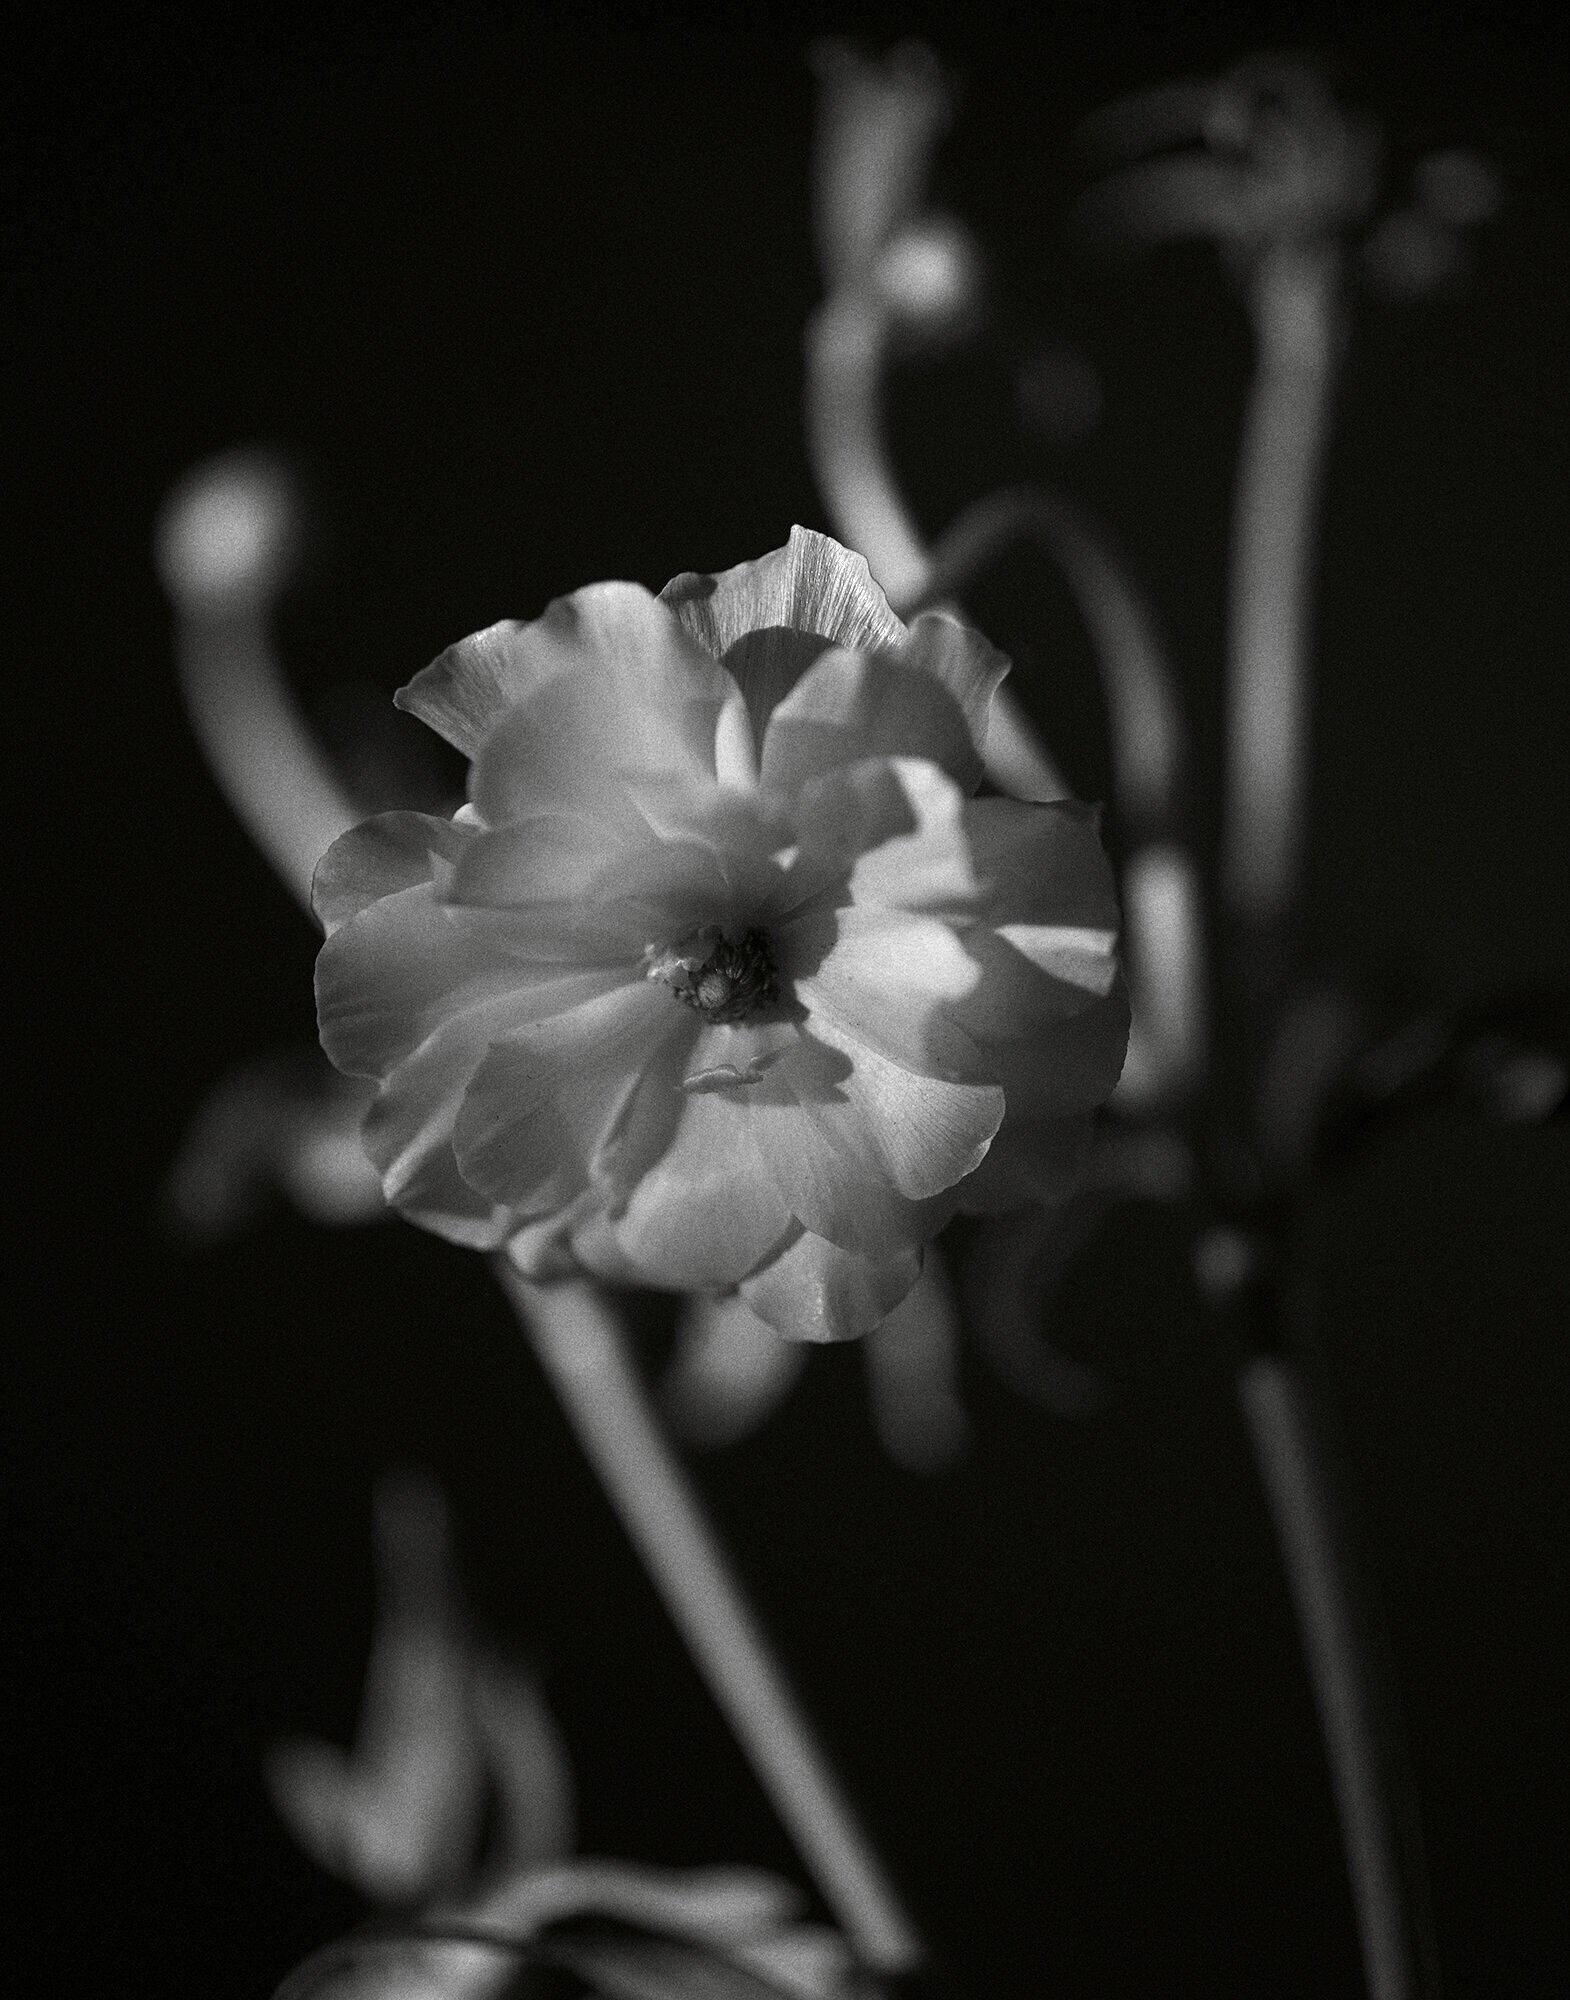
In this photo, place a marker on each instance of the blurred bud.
(287, 1124)
(445, 1731)
(930, 278)
(879, 120)
(229, 534)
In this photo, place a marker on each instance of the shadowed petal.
(815, 1291)
(408, 1130)
(1060, 1065)
(705, 1212)
(646, 689)
(850, 706)
(967, 665)
(545, 1097)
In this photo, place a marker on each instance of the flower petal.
(705, 1212)
(1060, 1066)
(885, 977)
(850, 706)
(393, 974)
(815, 1291)
(961, 660)
(546, 1095)
(922, 1133)
(408, 1130)
(643, 684)
(767, 621)
(378, 858)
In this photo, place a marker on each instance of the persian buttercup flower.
(723, 979)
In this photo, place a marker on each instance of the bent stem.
(1352, 1684)
(582, 1350)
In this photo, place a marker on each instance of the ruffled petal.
(815, 1291)
(378, 858)
(644, 689)
(851, 706)
(546, 1096)
(767, 621)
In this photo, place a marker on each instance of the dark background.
(523, 291)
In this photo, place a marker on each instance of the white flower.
(723, 979)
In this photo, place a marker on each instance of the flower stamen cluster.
(723, 979)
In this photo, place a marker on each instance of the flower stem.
(583, 1351)
(847, 349)
(1352, 1685)
(1295, 299)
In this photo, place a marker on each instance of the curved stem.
(582, 1350)
(847, 341)
(1274, 523)
(257, 747)
(1352, 1688)
(226, 543)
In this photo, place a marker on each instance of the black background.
(523, 291)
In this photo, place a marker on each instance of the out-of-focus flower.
(449, 1729)
(446, 1727)
(723, 980)
(287, 1124)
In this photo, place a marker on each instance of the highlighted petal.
(885, 977)
(767, 621)
(644, 687)
(815, 1291)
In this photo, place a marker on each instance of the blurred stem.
(1295, 294)
(847, 346)
(1348, 1668)
(264, 759)
(583, 1351)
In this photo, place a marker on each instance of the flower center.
(725, 979)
